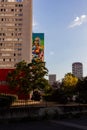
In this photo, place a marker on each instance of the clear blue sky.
(64, 23)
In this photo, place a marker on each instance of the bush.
(56, 96)
(36, 96)
(47, 97)
(82, 98)
(6, 100)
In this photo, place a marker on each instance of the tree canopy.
(70, 80)
(28, 76)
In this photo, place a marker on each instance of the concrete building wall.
(27, 30)
(15, 32)
(52, 78)
(77, 69)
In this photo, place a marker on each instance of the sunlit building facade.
(15, 32)
(77, 69)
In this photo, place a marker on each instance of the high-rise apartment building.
(52, 78)
(77, 69)
(15, 32)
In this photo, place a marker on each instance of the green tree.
(81, 90)
(69, 83)
(26, 77)
(17, 79)
(38, 73)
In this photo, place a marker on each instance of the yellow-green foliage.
(70, 81)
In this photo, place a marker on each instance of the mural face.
(38, 46)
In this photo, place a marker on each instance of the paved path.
(65, 124)
(79, 123)
(36, 126)
(71, 125)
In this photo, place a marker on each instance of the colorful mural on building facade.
(38, 46)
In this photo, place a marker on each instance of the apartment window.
(20, 29)
(16, 49)
(19, 14)
(1, 39)
(18, 44)
(2, 34)
(8, 39)
(19, 34)
(12, 34)
(2, 19)
(16, 10)
(15, 29)
(5, 54)
(16, 5)
(10, 24)
(18, 19)
(18, 24)
(20, 10)
(19, 54)
(4, 49)
(2, 14)
(9, 44)
(2, 0)
(8, 14)
(19, 39)
(0, 44)
(15, 39)
(19, 49)
(7, 10)
(12, 10)
(5, 65)
(10, 29)
(14, 54)
(19, 5)
(1, 10)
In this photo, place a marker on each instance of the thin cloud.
(78, 21)
(34, 24)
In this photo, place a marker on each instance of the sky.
(64, 23)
